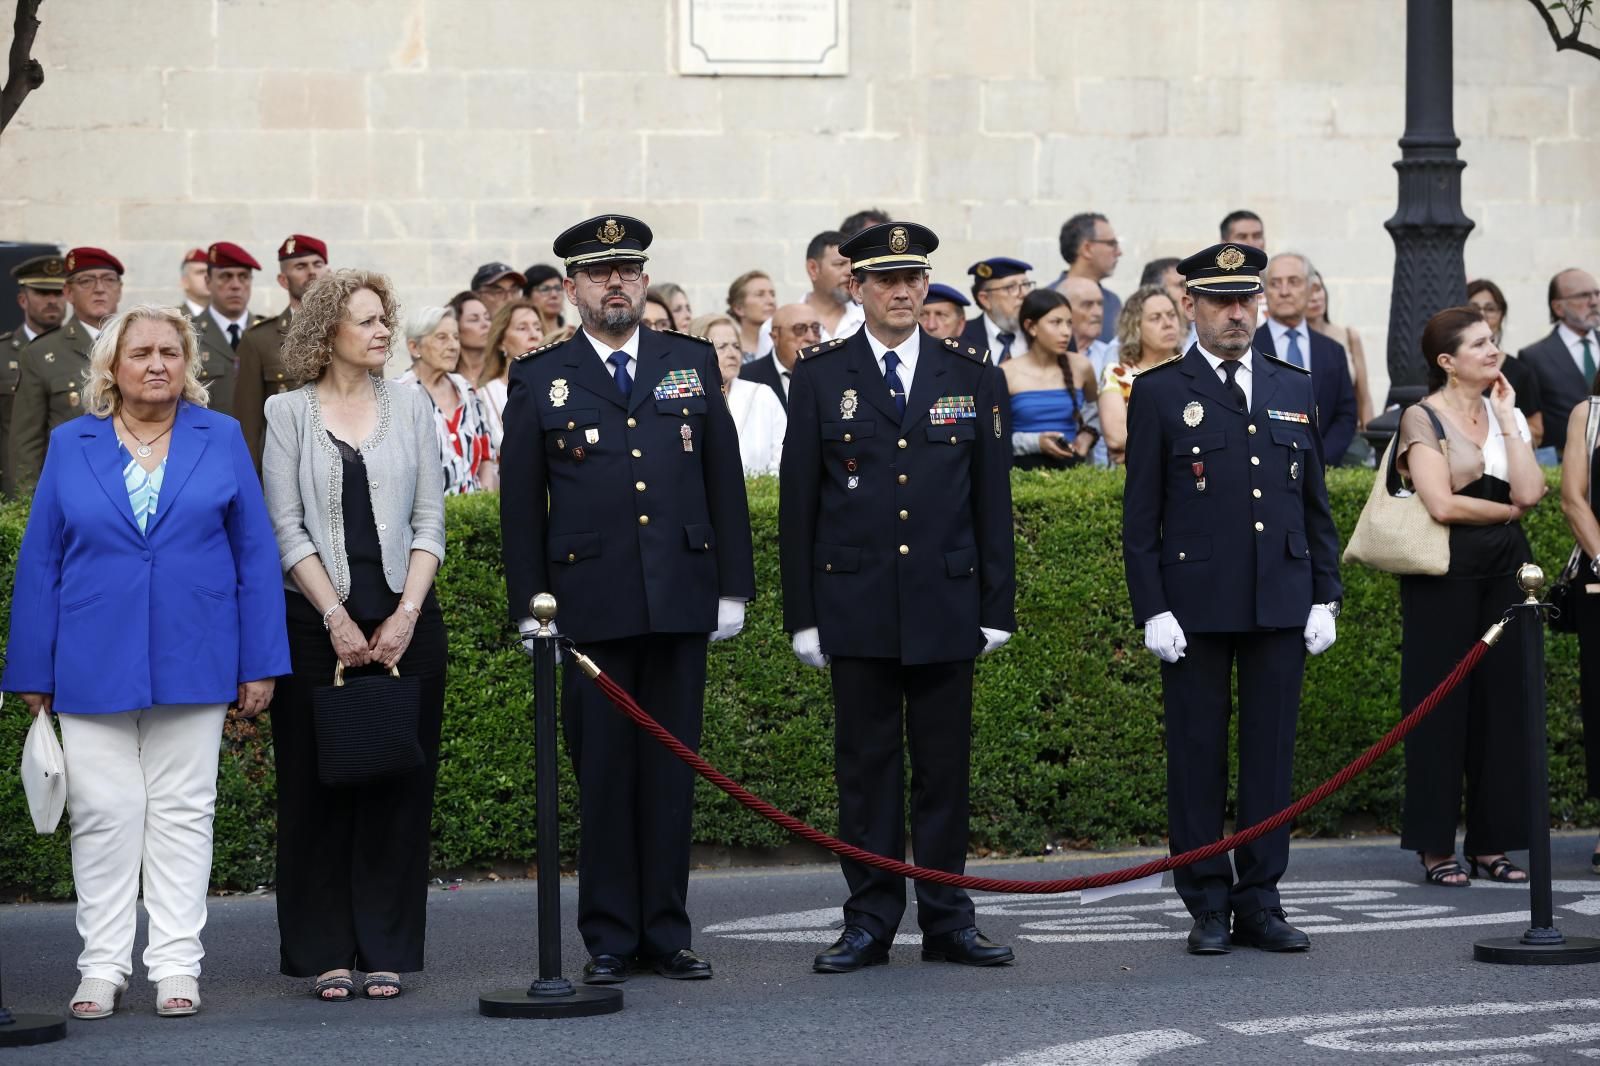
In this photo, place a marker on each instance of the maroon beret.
(81, 259)
(298, 245)
(194, 255)
(228, 254)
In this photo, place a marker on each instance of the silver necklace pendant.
(144, 451)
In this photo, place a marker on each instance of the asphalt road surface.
(1389, 979)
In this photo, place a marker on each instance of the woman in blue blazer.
(148, 599)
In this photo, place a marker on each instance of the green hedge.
(1068, 728)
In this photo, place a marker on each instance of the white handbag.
(44, 774)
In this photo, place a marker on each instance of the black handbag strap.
(1392, 475)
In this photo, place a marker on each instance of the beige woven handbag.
(1395, 532)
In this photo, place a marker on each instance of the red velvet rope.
(626, 704)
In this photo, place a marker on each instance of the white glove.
(730, 619)
(1320, 633)
(529, 628)
(993, 639)
(808, 648)
(1164, 636)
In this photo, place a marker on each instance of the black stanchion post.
(1542, 944)
(551, 995)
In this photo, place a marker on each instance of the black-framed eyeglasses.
(805, 329)
(549, 288)
(601, 273)
(1011, 288)
(500, 290)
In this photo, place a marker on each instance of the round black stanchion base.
(1512, 951)
(25, 1030)
(585, 1001)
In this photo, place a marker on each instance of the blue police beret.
(998, 267)
(938, 293)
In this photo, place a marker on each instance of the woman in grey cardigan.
(357, 501)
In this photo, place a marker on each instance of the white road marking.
(1125, 1049)
(1506, 917)
(1307, 1022)
(1484, 1060)
(1586, 905)
(1345, 1039)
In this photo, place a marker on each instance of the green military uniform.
(11, 345)
(261, 374)
(219, 363)
(50, 385)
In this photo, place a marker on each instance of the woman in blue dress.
(1054, 421)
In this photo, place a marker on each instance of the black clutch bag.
(1564, 594)
(366, 727)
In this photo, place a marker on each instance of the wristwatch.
(1332, 608)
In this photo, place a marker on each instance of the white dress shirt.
(1574, 343)
(1019, 343)
(1244, 376)
(27, 333)
(784, 373)
(94, 334)
(761, 424)
(1280, 339)
(195, 310)
(630, 346)
(907, 351)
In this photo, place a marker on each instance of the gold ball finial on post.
(1530, 578)
(543, 608)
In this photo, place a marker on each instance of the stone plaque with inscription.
(768, 37)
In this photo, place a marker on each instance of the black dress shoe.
(683, 965)
(1268, 930)
(1210, 934)
(965, 946)
(605, 970)
(854, 950)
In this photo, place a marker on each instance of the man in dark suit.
(896, 553)
(301, 261)
(999, 286)
(1232, 559)
(230, 274)
(1566, 360)
(794, 326)
(1286, 334)
(622, 493)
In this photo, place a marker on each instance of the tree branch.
(24, 73)
(1564, 42)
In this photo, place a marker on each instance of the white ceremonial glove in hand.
(730, 619)
(1320, 633)
(529, 627)
(993, 639)
(808, 648)
(1164, 636)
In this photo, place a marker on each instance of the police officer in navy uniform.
(622, 493)
(896, 553)
(999, 285)
(1232, 560)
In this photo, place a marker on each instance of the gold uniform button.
(905, 549)
(904, 515)
(633, 423)
(685, 412)
(1256, 493)
(1255, 461)
(571, 558)
(637, 454)
(639, 487)
(1195, 450)
(1182, 557)
(572, 425)
(848, 438)
(902, 479)
(1260, 527)
(901, 442)
(1252, 430)
(952, 440)
(828, 567)
(644, 520)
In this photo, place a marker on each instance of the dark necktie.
(897, 391)
(1295, 355)
(1005, 347)
(1588, 360)
(233, 335)
(619, 360)
(1230, 367)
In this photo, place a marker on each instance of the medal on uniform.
(1294, 470)
(688, 437)
(1193, 413)
(592, 436)
(561, 444)
(996, 421)
(49, 357)
(1199, 469)
(852, 481)
(72, 399)
(558, 392)
(848, 403)
(577, 454)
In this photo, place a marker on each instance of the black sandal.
(372, 982)
(330, 984)
(1499, 870)
(1441, 871)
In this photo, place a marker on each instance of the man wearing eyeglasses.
(622, 492)
(999, 285)
(1091, 250)
(795, 327)
(52, 368)
(495, 284)
(1569, 357)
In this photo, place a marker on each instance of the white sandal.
(105, 995)
(180, 987)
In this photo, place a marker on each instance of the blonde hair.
(495, 361)
(308, 346)
(1130, 324)
(101, 397)
(701, 326)
(736, 291)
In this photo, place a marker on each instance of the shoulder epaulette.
(1286, 363)
(977, 355)
(825, 347)
(542, 348)
(1164, 363)
(687, 336)
(261, 322)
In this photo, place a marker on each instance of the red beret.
(81, 259)
(228, 254)
(298, 245)
(194, 255)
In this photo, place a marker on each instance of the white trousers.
(141, 793)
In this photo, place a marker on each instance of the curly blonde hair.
(101, 397)
(308, 347)
(1130, 323)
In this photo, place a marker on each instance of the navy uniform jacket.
(631, 511)
(1334, 390)
(1256, 547)
(895, 535)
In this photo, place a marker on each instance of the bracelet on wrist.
(328, 614)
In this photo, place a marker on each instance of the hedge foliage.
(1068, 741)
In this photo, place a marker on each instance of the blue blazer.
(111, 619)
(1335, 392)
